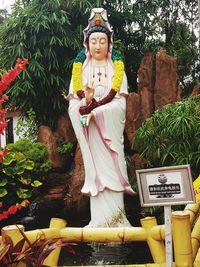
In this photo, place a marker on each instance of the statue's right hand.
(64, 95)
(89, 94)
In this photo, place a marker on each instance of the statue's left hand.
(85, 120)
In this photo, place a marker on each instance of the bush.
(172, 136)
(64, 147)
(23, 169)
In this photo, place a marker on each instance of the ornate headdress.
(98, 17)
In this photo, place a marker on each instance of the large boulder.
(77, 200)
(133, 115)
(47, 137)
(196, 90)
(145, 85)
(64, 129)
(166, 89)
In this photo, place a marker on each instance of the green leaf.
(3, 182)
(36, 183)
(3, 192)
(8, 159)
(24, 193)
(18, 169)
(29, 165)
(9, 171)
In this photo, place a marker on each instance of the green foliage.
(64, 147)
(33, 254)
(35, 152)
(43, 33)
(23, 169)
(182, 46)
(26, 126)
(172, 136)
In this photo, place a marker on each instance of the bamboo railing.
(186, 242)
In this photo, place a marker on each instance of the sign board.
(165, 186)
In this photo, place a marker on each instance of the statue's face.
(98, 45)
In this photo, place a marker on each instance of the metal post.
(168, 236)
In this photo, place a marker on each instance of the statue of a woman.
(97, 107)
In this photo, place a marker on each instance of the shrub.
(172, 136)
(23, 169)
(64, 147)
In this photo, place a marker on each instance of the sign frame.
(183, 175)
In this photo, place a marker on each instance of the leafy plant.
(36, 152)
(9, 252)
(172, 136)
(33, 254)
(23, 169)
(64, 147)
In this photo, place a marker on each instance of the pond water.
(101, 254)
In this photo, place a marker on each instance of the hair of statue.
(98, 29)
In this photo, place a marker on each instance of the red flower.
(25, 203)
(3, 153)
(12, 209)
(3, 125)
(19, 206)
(20, 65)
(3, 99)
(12, 74)
(3, 87)
(2, 217)
(5, 214)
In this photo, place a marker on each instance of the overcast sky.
(5, 4)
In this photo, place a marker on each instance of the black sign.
(164, 189)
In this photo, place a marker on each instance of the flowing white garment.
(102, 149)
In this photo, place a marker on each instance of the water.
(101, 254)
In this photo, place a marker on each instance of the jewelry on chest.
(99, 73)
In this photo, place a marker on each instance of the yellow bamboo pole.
(103, 235)
(13, 232)
(193, 210)
(196, 238)
(76, 234)
(181, 231)
(129, 265)
(52, 259)
(47, 233)
(156, 247)
(197, 259)
(158, 232)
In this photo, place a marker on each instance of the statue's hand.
(85, 120)
(64, 95)
(89, 94)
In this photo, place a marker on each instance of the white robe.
(102, 149)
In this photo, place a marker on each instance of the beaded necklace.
(77, 71)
